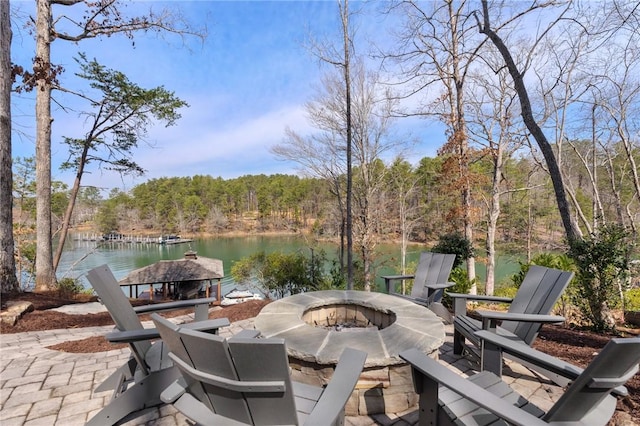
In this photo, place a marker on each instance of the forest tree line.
(285, 203)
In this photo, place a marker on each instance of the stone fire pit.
(317, 326)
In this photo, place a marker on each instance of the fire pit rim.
(414, 326)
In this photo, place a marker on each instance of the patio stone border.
(414, 327)
(385, 385)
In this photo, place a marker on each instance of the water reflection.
(81, 256)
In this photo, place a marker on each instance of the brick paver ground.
(39, 386)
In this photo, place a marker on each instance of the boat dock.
(133, 239)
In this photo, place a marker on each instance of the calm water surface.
(81, 256)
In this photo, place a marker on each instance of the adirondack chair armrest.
(389, 278)
(440, 285)
(428, 299)
(174, 391)
(345, 377)
(428, 373)
(131, 336)
(533, 356)
(246, 334)
(480, 297)
(172, 306)
(201, 307)
(418, 300)
(490, 318)
(209, 326)
(460, 301)
(398, 277)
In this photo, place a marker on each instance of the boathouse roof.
(191, 268)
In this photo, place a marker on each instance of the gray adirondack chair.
(446, 398)
(138, 383)
(494, 346)
(528, 310)
(246, 381)
(429, 281)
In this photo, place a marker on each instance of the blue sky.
(246, 83)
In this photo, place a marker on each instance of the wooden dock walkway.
(133, 239)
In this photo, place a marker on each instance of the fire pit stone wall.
(317, 326)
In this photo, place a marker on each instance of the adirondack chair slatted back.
(265, 360)
(538, 293)
(118, 305)
(614, 366)
(210, 354)
(237, 359)
(169, 334)
(433, 268)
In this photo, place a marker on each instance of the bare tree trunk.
(66, 222)
(628, 149)
(529, 229)
(45, 273)
(8, 280)
(493, 215)
(597, 203)
(571, 230)
(347, 81)
(460, 133)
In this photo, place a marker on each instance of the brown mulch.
(576, 346)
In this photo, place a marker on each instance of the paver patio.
(39, 386)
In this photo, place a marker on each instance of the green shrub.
(283, 274)
(462, 285)
(602, 260)
(506, 291)
(454, 244)
(550, 260)
(632, 300)
(69, 287)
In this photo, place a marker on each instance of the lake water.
(81, 256)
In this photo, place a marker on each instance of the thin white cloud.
(193, 146)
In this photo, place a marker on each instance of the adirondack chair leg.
(458, 342)
(201, 312)
(441, 311)
(427, 390)
(491, 358)
(387, 285)
(117, 378)
(144, 393)
(460, 306)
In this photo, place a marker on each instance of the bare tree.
(322, 153)
(490, 107)
(24, 199)
(586, 60)
(8, 279)
(617, 99)
(485, 26)
(102, 18)
(372, 107)
(403, 185)
(341, 58)
(346, 71)
(44, 74)
(120, 113)
(436, 51)
(565, 72)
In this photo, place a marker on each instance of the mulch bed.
(576, 346)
